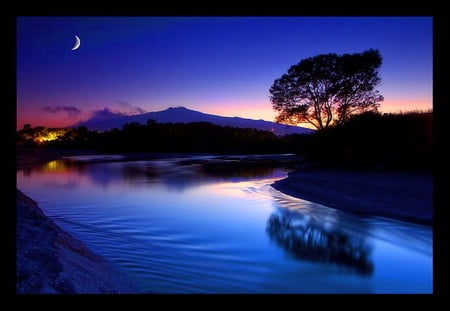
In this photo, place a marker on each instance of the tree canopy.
(327, 89)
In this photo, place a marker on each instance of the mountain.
(184, 115)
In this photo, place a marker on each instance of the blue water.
(175, 228)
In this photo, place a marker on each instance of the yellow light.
(55, 166)
(49, 136)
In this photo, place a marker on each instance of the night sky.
(218, 65)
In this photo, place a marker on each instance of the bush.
(371, 140)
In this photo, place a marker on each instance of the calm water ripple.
(181, 229)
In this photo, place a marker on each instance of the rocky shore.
(399, 195)
(51, 261)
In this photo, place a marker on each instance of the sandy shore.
(398, 195)
(50, 261)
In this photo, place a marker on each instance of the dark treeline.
(158, 137)
(375, 141)
(366, 141)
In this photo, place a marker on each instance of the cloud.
(70, 110)
(129, 109)
(106, 113)
(109, 113)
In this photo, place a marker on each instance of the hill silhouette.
(185, 115)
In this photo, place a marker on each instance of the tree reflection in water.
(308, 240)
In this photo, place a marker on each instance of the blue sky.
(219, 65)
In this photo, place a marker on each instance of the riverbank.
(51, 261)
(399, 195)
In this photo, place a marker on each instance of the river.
(173, 226)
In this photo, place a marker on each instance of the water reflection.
(238, 168)
(214, 237)
(55, 167)
(70, 184)
(172, 174)
(306, 239)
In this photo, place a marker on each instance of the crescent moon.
(77, 43)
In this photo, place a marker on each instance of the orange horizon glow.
(399, 106)
(243, 110)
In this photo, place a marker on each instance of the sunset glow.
(149, 159)
(216, 65)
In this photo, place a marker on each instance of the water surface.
(173, 226)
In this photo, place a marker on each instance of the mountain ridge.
(185, 115)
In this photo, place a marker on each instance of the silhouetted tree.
(326, 89)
